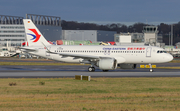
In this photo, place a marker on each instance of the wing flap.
(77, 56)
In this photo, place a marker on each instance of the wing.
(87, 57)
(78, 56)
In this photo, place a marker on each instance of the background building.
(137, 37)
(149, 36)
(12, 32)
(129, 39)
(84, 35)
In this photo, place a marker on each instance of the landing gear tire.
(91, 69)
(150, 70)
(105, 70)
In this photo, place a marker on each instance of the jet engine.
(107, 64)
(127, 66)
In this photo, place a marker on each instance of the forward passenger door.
(148, 52)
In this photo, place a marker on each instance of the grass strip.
(100, 94)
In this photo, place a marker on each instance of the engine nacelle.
(107, 64)
(127, 66)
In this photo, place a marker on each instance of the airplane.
(105, 57)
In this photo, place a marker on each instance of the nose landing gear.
(150, 70)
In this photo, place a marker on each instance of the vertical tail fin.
(33, 35)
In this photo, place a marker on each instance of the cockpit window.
(161, 51)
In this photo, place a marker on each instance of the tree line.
(163, 28)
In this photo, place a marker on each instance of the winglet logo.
(36, 37)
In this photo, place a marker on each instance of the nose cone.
(169, 58)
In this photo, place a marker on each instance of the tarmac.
(71, 71)
(50, 71)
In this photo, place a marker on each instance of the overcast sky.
(98, 11)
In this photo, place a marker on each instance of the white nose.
(169, 58)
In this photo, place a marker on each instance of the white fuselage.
(104, 57)
(123, 54)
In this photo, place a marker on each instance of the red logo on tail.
(36, 37)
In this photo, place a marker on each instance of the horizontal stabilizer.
(28, 49)
(15, 54)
